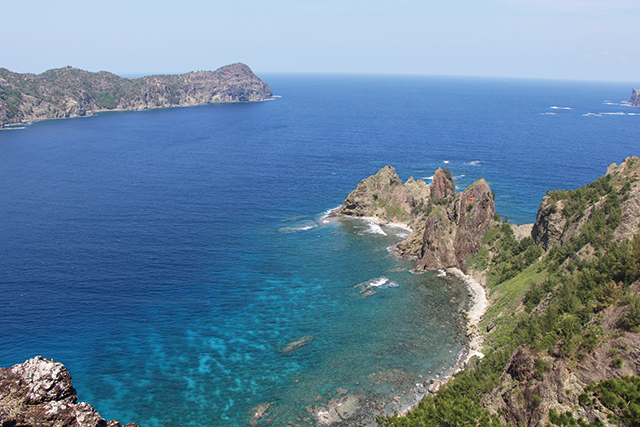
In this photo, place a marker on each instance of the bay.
(168, 257)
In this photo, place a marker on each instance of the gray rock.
(38, 393)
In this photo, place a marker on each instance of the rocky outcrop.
(442, 185)
(446, 227)
(70, 92)
(550, 222)
(38, 393)
(454, 230)
(635, 98)
(385, 197)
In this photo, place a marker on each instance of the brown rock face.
(550, 222)
(455, 230)
(477, 210)
(442, 185)
(38, 393)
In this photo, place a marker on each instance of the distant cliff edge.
(635, 98)
(71, 92)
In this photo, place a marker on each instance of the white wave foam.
(548, 113)
(325, 215)
(427, 177)
(473, 163)
(442, 273)
(392, 285)
(561, 108)
(445, 162)
(375, 283)
(618, 113)
(375, 228)
(459, 176)
(309, 225)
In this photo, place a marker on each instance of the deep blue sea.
(168, 257)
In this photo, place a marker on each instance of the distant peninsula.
(71, 92)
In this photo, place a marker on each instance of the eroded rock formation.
(446, 227)
(38, 393)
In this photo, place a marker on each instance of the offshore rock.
(38, 393)
(635, 98)
(71, 92)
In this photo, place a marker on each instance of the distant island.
(635, 98)
(71, 92)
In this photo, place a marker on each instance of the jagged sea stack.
(446, 227)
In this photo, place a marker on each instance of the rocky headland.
(71, 92)
(38, 393)
(446, 228)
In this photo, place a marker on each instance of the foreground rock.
(38, 393)
(446, 227)
(70, 92)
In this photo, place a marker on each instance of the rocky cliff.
(38, 393)
(446, 227)
(635, 98)
(70, 92)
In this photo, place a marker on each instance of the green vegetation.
(550, 304)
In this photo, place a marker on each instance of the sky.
(549, 39)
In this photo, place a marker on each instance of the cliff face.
(454, 229)
(635, 98)
(446, 228)
(39, 393)
(70, 92)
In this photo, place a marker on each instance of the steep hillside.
(70, 92)
(562, 339)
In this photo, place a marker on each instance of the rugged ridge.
(556, 223)
(38, 393)
(446, 227)
(71, 92)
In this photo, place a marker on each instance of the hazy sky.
(565, 39)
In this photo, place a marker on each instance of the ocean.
(179, 262)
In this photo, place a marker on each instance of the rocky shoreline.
(444, 228)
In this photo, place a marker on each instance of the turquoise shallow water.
(168, 257)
